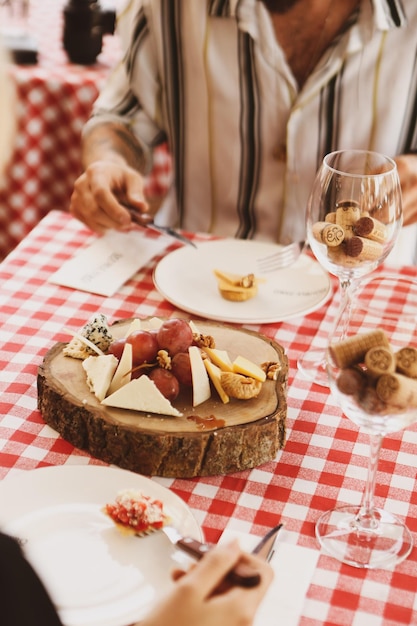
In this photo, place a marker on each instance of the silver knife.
(242, 575)
(265, 547)
(147, 222)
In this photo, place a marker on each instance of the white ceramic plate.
(96, 575)
(185, 278)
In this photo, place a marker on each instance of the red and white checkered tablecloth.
(323, 463)
(54, 100)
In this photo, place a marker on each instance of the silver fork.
(242, 575)
(283, 257)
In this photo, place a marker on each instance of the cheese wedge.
(214, 373)
(100, 371)
(242, 365)
(123, 373)
(134, 325)
(155, 323)
(194, 327)
(201, 382)
(220, 358)
(141, 394)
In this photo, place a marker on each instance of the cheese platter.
(206, 432)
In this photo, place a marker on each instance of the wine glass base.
(312, 365)
(341, 536)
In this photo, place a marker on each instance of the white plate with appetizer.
(96, 574)
(187, 278)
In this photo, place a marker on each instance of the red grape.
(175, 335)
(138, 371)
(166, 382)
(116, 348)
(144, 347)
(181, 368)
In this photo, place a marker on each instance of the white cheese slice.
(194, 327)
(220, 358)
(214, 373)
(123, 373)
(242, 365)
(201, 382)
(134, 325)
(141, 394)
(100, 371)
(155, 323)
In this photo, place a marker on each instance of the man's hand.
(100, 192)
(199, 598)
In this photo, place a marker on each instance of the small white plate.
(96, 575)
(185, 278)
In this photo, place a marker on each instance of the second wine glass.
(354, 215)
(372, 369)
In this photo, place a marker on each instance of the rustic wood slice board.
(210, 439)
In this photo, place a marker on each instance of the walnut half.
(163, 359)
(203, 341)
(271, 369)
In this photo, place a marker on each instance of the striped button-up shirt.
(210, 78)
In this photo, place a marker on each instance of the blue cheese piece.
(96, 331)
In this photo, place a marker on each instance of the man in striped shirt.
(249, 95)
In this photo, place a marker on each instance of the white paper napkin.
(109, 261)
(293, 567)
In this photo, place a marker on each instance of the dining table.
(54, 99)
(324, 460)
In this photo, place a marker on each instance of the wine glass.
(372, 365)
(354, 215)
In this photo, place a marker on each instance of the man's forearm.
(112, 142)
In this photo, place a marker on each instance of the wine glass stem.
(366, 517)
(345, 303)
(346, 290)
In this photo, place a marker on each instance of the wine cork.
(347, 203)
(330, 217)
(352, 350)
(330, 234)
(351, 381)
(347, 214)
(370, 402)
(380, 360)
(338, 255)
(363, 249)
(371, 228)
(406, 360)
(397, 390)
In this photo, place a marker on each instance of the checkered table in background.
(54, 99)
(323, 463)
